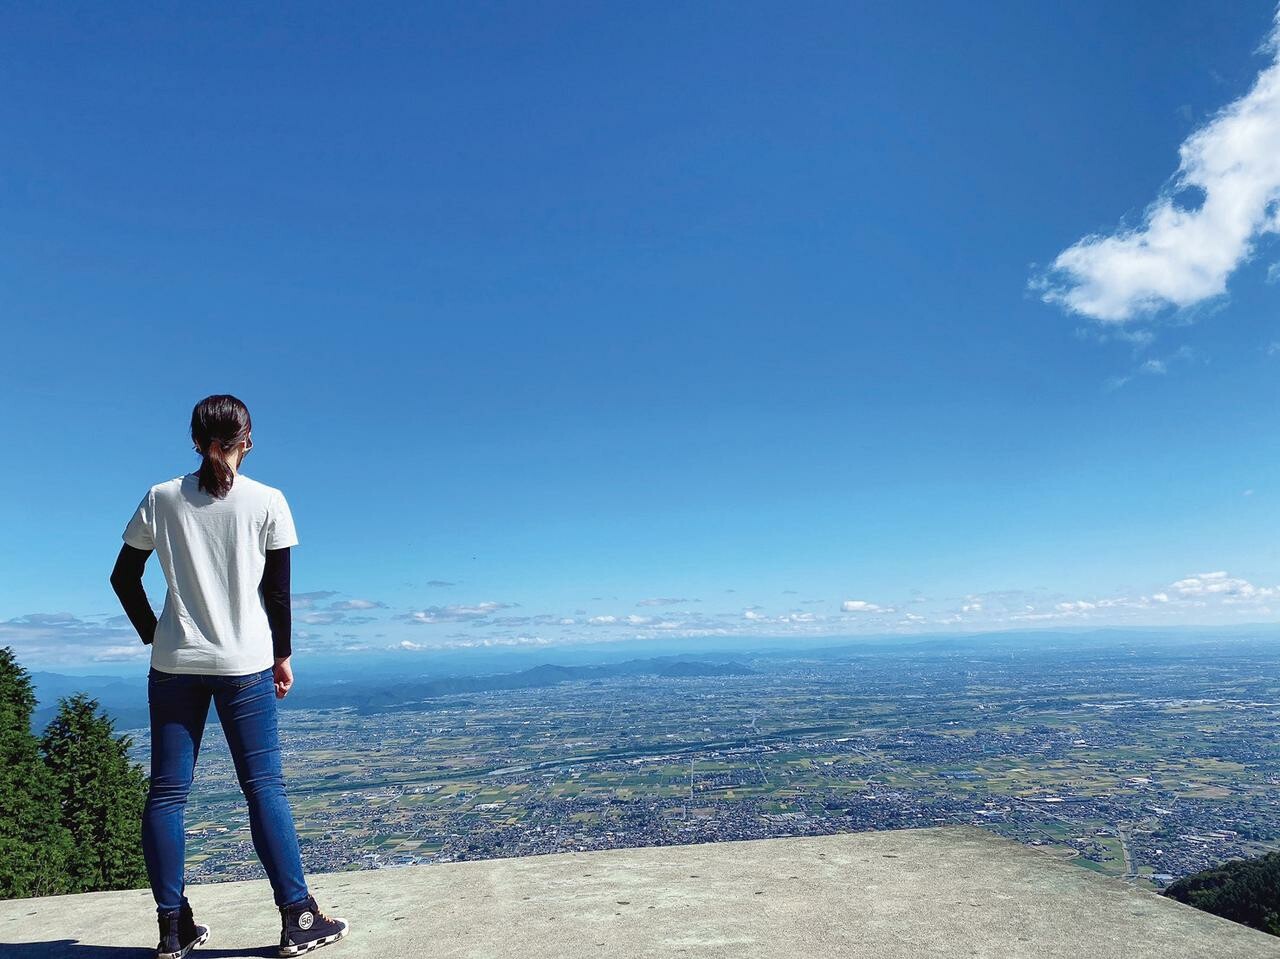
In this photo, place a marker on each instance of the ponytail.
(216, 475)
(218, 424)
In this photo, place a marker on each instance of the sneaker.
(304, 927)
(179, 933)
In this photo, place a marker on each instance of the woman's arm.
(275, 597)
(126, 580)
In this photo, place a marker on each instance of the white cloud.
(1219, 584)
(321, 619)
(357, 604)
(862, 606)
(474, 643)
(122, 654)
(65, 638)
(457, 613)
(1215, 594)
(308, 600)
(1180, 256)
(1153, 367)
(800, 618)
(1078, 606)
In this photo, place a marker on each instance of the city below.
(1140, 756)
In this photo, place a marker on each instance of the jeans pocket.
(159, 677)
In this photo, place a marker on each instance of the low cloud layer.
(68, 640)
(325, 624)
(1184, 250)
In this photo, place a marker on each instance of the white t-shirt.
(212, 552)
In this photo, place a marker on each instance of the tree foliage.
(70, 802)
(102, 793)
(34, 845)
(1244, 890)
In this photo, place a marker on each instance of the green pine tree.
(34, 846)
(102, 793)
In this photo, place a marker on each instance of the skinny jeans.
(246, 705)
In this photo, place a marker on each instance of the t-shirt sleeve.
(280, 531)
(140, 530)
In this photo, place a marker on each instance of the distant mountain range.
(125, 700)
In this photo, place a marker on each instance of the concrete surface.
(883, 895)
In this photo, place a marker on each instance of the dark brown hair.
(218, 424)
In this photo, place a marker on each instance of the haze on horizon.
(606, 324)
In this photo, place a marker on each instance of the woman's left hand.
(283, 676)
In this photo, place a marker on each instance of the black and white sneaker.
(304, 927)
(179, 933)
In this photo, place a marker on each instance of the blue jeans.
(247, 710)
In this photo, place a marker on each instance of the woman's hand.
(283, 676)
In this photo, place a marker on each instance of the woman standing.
(223, 541)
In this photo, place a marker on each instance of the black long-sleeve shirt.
(126, 580)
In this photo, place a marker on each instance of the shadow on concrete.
(75, 949)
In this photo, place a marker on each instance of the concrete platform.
(882, 895)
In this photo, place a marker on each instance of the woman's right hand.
(283, 673)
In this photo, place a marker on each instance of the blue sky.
(581, 322)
